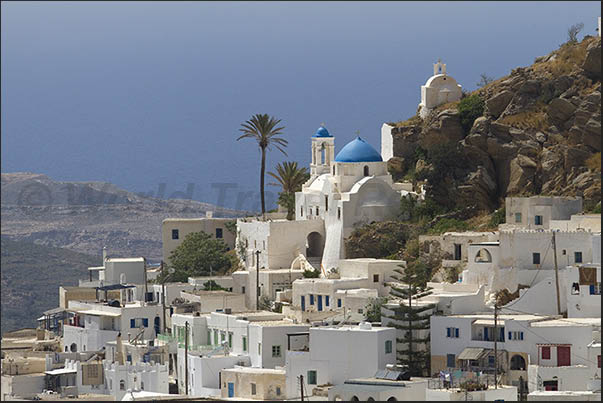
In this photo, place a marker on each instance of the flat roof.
(282, 322)
(96, 268)
(125, 259)
(96, 312)
(207, 292)
(255, 370)
(564, 322)
(501, 317)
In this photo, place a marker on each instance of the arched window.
(483, 256)
(122, 385)
(73, 347)
(333, 169)
(366, 170)
(518, 363)
(354, 399)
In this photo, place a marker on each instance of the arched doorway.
(366, 170)
(314, 245)
(392, 399)
(483, 256)
(73, 347)
(518, 363)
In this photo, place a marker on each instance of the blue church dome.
(358, 150)
(322, 132)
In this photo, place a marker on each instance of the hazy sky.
(139, 93)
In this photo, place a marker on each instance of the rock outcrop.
(540, 126)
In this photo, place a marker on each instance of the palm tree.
(264, 130)
(290, 178)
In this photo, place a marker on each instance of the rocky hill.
(535, 131)
(85, 216)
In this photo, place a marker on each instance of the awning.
(61, 371)
(471, 353)
(54, 311)
(115, 287)
(489, 322)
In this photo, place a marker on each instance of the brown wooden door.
(563, 356)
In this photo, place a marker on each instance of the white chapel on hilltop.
(439, 89)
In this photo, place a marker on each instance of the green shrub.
(311, 274)
(449, 224)
(498, 217)
(470, 108)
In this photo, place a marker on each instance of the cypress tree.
(409, 316)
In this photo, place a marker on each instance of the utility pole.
(257, 290)
(301, 385)
(556, 274)
(186, 357)
(146, 289)
(163, 295)
(495, 344)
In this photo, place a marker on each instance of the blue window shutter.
(327, 300)
(447, 332)
(485, 333)
(338, 302)
(509, 335)
(592, 289)
(145, 322)
(456, 332)
(520, 335)
(502, 334)
(132, 323)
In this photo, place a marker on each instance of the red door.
(563, 356)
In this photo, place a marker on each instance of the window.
(122, 385)
(243, 290)
(595, 289)
(339, 213)
(517, 217)
(538, 220)
(375, 278)
(518, 363)
(545, 353)
(253, 390)
(301, 211)
(311, 377)
(311, 299)
(264, 245)
(452, 332)
(326, 300)
(515, 335)
(326, 203)
(491, 361)
(175, 234)
(388, 346)
(141, 385)
(360, 311)
(278, 390)
(578, 257)
(536, 258)
(276, 351)
(366, 170)
(338, 302)
(229, 339)
(259, 348)
(450, 360)
(215, 336)
(564, 252)
(317, 213)
(139, 322)
(208, 336)
(218, 232)
(599, 361)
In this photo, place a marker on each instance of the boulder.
(560, 110)
(591, 135)
(541, 137)
(422, 167)
(531, 87)
(592, 62)
(481, 125)
(521, 175)
(497, 104)
(396, 166)
(575, 157)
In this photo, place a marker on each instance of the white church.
(352, 187)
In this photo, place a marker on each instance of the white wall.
(573, 378)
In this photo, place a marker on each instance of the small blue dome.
(358, 150)
(322, 132)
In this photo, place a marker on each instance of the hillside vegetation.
(31, 276)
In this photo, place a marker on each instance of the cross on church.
(322, 124)
(358, 133)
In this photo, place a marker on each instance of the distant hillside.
(535, 131)
(31, 275)
(85, 216)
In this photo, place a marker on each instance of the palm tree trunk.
(263, 168)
